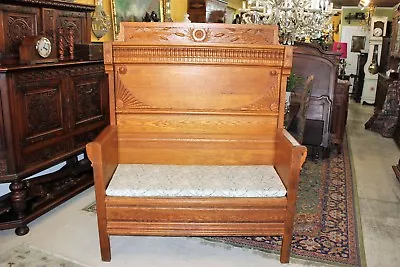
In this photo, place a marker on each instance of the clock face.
(43, 47)
(378, 32)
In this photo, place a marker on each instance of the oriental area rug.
(327, 227)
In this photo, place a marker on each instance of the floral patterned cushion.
(142, 180)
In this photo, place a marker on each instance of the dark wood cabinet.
(339, 112)
(48, 112)
(47, 105)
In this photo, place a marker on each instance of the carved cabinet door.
(42, 117)
(41, 111)
(90, 100)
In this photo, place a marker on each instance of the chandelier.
(297, 19)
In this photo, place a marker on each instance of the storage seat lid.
(145, 180)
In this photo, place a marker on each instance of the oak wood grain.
(198, 94)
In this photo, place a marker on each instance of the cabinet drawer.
(45, 154)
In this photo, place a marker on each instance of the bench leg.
(287, 235)
(104, 238)
(285, 249)
(105, 249)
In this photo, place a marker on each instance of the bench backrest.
(197, 93)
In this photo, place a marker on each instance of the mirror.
(171, 10)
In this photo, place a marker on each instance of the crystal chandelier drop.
(297, 19)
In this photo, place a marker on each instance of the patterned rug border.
(354, 218)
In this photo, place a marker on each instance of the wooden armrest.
(289, 158)
(103, 153)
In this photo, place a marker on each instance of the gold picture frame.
(135, 10)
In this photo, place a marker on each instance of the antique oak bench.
(196, 145)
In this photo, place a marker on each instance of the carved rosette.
(18, 28)
(199, 35)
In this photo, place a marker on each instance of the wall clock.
(36, 50)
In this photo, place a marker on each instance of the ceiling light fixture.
(297, 19)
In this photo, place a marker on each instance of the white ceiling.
(379, 3)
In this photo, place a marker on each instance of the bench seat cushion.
(145, 180)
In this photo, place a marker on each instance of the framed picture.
(357, 43)
(137, 10)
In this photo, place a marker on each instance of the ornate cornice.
(198, 55)
(52, 4)
(181, 33)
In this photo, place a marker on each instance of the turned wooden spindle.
(61, 43)
(19, 196)
(71, 38)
